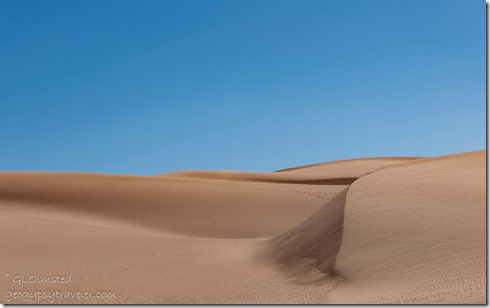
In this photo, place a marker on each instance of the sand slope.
(411, 230)
(194, 207)
(415, 233)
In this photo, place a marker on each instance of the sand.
(370, 230)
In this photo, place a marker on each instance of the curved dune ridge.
(372, 230)
(266, 177)
(354, 167)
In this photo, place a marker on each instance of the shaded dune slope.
(312, 245)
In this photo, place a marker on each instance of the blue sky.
(146, 87)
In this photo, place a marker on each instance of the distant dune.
(368, 230)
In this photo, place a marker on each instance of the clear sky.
(147, 87)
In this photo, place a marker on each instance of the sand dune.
(373, 230)
(415, 233)
(194, 207)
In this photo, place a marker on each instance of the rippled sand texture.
(373, 230)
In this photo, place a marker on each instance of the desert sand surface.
(369, 230)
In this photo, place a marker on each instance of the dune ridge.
(356, 167)
(265, 177)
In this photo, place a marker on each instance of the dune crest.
(353, 167)
(265, 177)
